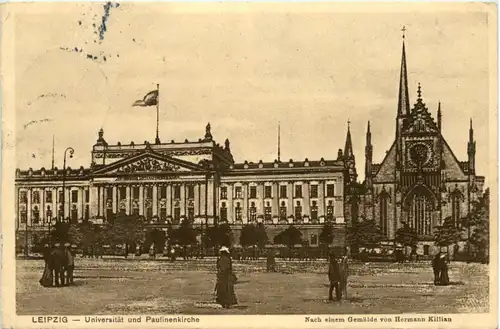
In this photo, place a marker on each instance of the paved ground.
(159, 287)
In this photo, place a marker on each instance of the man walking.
(334, 278)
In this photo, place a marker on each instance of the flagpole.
(157, 141)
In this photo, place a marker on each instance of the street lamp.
(49, 219)
(71, 151)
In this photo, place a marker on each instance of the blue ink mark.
(103, 28)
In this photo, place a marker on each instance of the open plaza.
(141, 286)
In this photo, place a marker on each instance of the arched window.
(237, 211)
(384, 210)
(223, 212)
(420, 205)
(283, 210)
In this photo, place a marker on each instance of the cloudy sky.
(243, 68)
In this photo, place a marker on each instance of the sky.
(244, 68)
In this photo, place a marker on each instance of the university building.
(197, 180)
(420, 182)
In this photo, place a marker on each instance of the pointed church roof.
(404, 99)
(420, 119)
(348, 152)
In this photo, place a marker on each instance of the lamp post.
(71, 151)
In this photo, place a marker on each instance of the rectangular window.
(282, 212)
(268, 192)
(24, 217)
(314, 213)
(87, 196)
(48, 196)
(329, 212)
(36, 215)
(36, 197)
(177, 192)
(223, 192)
(148, 192)
(177, 215)
(74, 196)
(253, 192)
(237, 212)
(314, 191)
(190, 190)
(298, 191)
(283, 191)
(298, 212)
(223, 213)
(60, 196)
(253, 213)
(330, 190)
(135, 192)
(163, 192)
(190, 214)
(122, 191)
(163, 214)
(23, 197)
(238, 193)
(110, 192)
(268, 213)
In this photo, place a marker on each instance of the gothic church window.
(420, 213)
(455, 207)
(384, 223)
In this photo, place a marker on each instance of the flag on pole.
(151, 99)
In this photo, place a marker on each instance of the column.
(155, 200)
(169, 200)
(81, 201)
(67, 201)
(260, 198)
(102, 200)
(210, 205)
(93, 201)
(321, 199)
(141, 200)
(289, 194)
(230, 203)
(245, 202)
(53, 207)
(115, 197)
(183, 200)
(305, 195)
(196, 199)
(128, 203)
(42, 207)
(28, 206)
(275, 194)
(105, 201)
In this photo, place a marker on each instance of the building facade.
(420, 182)
(169, 182)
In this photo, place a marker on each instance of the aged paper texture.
(249, 165)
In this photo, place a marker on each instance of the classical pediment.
(148, 162)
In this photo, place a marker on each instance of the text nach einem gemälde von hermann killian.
(116, 319)
(377, 319)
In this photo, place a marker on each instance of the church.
(419, 182)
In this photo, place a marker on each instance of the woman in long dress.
(225, 280)
(47, 277)
(444, 279)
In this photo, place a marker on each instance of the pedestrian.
(47, 278)
(70, 262)
(444, 279)
(226, 296)
(58, 261)
(436, 268)
(334, 278)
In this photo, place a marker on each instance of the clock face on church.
(419, 154)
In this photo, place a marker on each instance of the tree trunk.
(126, 250)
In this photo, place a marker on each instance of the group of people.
(440, 268)
(59, 265)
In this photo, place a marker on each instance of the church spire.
(404, 99)
(368, 157)
(348, 142)
(439, 116)
(471, 150)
